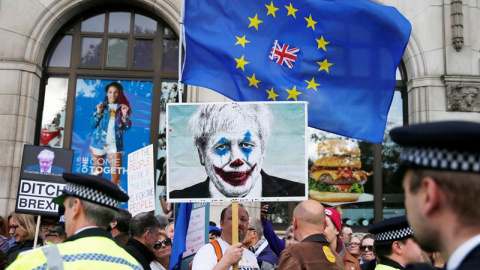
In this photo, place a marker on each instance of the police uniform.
(451, 146)
(389, 230)
(90, 247)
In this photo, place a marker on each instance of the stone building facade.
(441, 65)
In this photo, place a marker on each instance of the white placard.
(245, 151)
(196, 230)
(36, 196)
(141, 188)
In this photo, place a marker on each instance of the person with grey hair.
(231, 140)
(162, 221)
(257, 244)
(91, 203)
(144, 231)
(45, 164)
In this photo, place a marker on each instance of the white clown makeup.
(233, 159)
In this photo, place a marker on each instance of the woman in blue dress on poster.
(110, 119)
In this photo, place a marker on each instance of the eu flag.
(179, 241)
(339, 55)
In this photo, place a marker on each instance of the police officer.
(394, 244)
(440, 167)
(91, 203)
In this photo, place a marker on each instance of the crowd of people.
(439, 167)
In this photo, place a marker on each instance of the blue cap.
(213, 228)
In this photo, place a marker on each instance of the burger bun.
(325, 196)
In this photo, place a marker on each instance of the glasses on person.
(166, 242)
(364, 248)
(14, 227)
(354, 244)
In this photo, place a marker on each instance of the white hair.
(211, 118)
(46, 155)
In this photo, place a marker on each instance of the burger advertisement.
(336, 175)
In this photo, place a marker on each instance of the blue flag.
(339, 55)
(179, 241)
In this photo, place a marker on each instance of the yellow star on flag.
(254, 22)
(291, 10)
(271, 94)
(241, 62)
(324, 65)
(242, 41)
(271, 9)
(253, 81)
(293, 93)
(310, 22)
(321, 43)
(312, 84)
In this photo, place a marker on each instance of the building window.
(123, 45)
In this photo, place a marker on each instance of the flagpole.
(180, 47)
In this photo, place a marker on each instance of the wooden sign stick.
(235, 228)
(39, 220)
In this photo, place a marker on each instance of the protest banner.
(41, 179)
(236, 152)
(141, 189)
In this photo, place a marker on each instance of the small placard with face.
(236, 151)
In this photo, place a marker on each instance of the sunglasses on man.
(364, 248)
(166, 242)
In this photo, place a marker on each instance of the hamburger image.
(336, 175)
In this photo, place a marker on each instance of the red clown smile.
(234, 178)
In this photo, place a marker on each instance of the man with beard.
(220, 253)
(440, 166)
(231, 140)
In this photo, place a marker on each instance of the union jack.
(281, 54)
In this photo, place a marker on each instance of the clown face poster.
(112, 119)
(249, 151)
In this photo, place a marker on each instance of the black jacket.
(472, 261)
(140, 252)
(271, 187)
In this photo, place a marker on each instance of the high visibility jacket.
(385, 267)
(89, 252)
(387, 264)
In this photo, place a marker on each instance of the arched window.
(123, 45)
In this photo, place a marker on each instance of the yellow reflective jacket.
(89, 249)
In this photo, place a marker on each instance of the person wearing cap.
(213, 232)
(313, 251)
(333, 227)
(90, 205)
(394, 244)
(440, 167)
